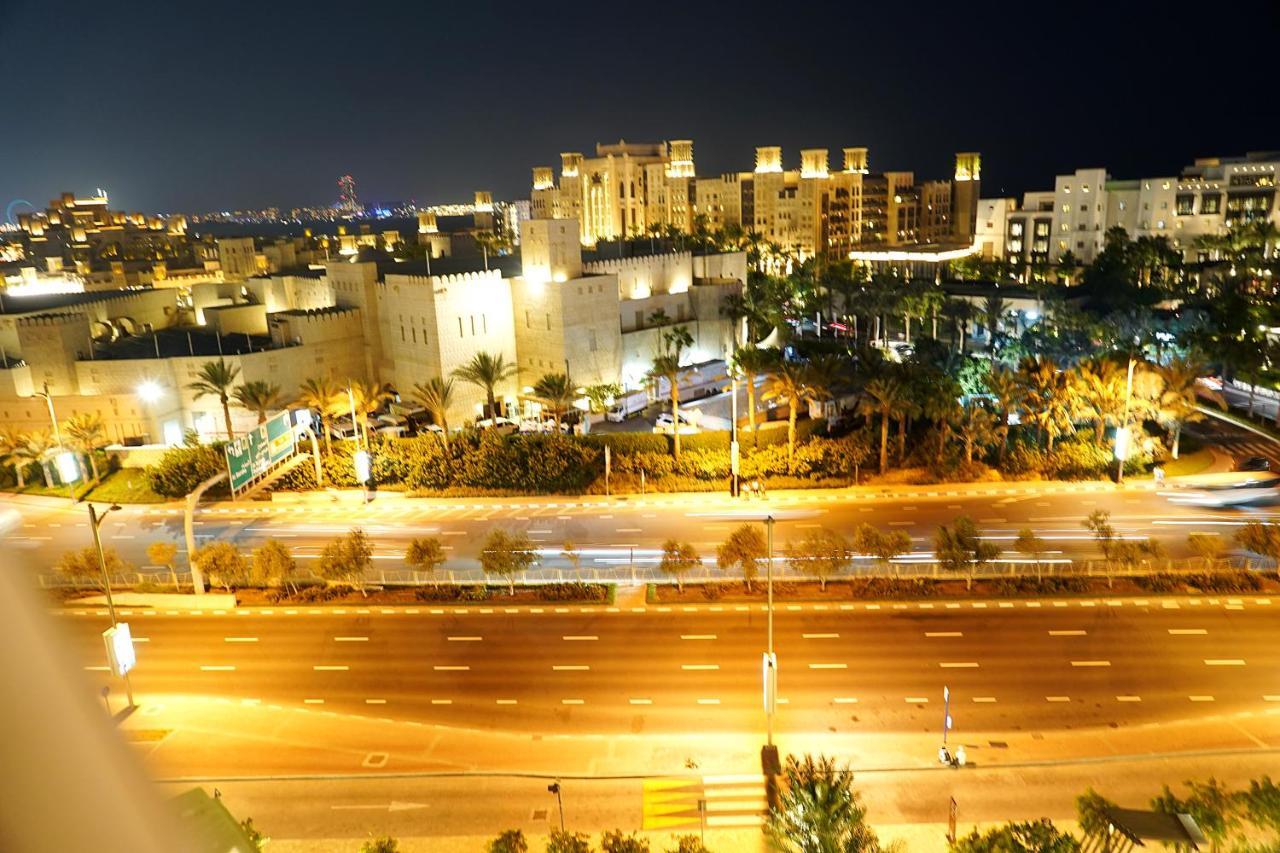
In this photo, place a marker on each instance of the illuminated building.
(632, 189)
(1207, 198)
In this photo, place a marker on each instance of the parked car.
(665, 425)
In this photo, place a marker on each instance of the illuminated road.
(1050, 667)
(611, 533)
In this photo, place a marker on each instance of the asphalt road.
(613, 537)
(869, 671)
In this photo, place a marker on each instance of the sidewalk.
(250, 750)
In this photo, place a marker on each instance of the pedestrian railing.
(783, 572)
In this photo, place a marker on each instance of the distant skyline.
(199, 107)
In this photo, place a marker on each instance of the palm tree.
(976, 428)
(994, 310)
(666, 365)
(216, 379)
(258, 397)
(1003, 385)
(13, 449)
(87, 434)
(1178, 402)
(1100, 386)
(753, 362)
(1049, 396)
(321, 395)
(368, 398)
(885, 397)
(558, 392)
(789, 381)
(486, 371)
(436, 395)
(37, 446)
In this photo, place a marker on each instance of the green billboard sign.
(259, 450)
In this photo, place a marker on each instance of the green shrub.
(1040, 586)
(892, 588)
(1159, 582)
(181, 469)
(1232, 581)
(573, 591)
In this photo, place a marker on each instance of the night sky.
(200, 106)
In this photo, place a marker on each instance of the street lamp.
(149, 391)
(769, 666)
(554, 788)
(116, 629)
(1122, 431)
(66, 462)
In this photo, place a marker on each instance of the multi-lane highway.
(613, 534)
(1044, 666)
(299, 715)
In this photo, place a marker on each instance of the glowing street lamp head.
(150, 391)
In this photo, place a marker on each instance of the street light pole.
(1122, 432)
(733, 442)
(773, 661)
(95, 521)
(57, 435)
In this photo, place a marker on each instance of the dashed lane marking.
(330, 668)
(1088, 663)
(1223, 662)
(696, 667)
(1067, 633)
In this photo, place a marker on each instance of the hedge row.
(567, 464)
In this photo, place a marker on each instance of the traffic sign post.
(252, 455)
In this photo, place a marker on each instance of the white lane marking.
(984, 699)
(239, 639)
(573, 702)
(451, 668)
(441, 701)
(328, 668)
(820, 636)
(1200, 698)
(1057, 698)
(579, 637)
(944, 633)
(570, 667)
(628, 530)
(708, 701)
(697, 636)
(1071, 633)
(640, 701)
(312, 701)
(1091, 663)
(845, 700)
(1128, 698)
(219, 668)
(1187, 632)
(694, 667)
(351, 639)
(506, 701)
(375, 701)
(97, 669)
(465, 639)
(828, 666)
(959, 664)
(917, 700)
(1223, 662)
